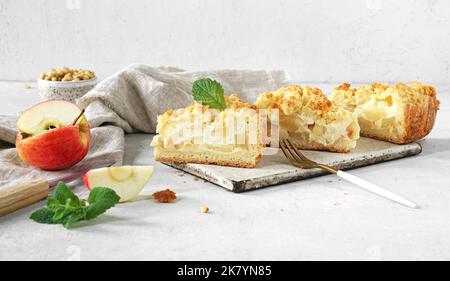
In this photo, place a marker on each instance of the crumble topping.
(164, 196)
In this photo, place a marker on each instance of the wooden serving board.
(21, 196)
(275, 169)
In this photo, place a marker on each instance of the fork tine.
(283, 149)
(311, 162)
(287, 152)
(286, 146)
(298, 153)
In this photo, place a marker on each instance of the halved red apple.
(126, 181)
(49, 139)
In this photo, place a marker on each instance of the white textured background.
(314, 40)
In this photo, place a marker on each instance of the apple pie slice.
(400, 114)
(205, 135)
(308, 118)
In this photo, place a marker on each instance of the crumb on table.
(164, 196)
(204, 210)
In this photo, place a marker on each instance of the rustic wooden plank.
(275, 169)
(21, 196)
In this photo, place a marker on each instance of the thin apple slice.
(126, 181)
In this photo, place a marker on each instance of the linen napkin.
(130, 101)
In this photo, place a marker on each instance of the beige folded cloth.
(130, 101)
(133, 98)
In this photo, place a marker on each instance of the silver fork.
(299, 160)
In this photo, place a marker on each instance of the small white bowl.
(62, 90)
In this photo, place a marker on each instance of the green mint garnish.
(66, 208)
(209, 92)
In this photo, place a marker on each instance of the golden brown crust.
(296, 99)
(293, 98)
(418, 102)
(419, 120)
(392, 138)
(409, 93)
(344, 86)
(317, 146)
(235, 102)
(238, 164)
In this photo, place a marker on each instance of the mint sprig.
(209, 92)
(66, 208)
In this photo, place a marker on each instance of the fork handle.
(375, 189)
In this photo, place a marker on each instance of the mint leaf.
(100, 200)
(209, 92)
(72, 217)
(65, 196)
(43, 216)
(66, 208)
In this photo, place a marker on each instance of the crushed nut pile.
(66, 74)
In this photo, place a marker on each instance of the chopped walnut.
(164, 196)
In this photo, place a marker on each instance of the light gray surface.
(319, 218)
(314, 40)
(274, 168)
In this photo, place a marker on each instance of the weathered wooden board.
(21, 196)
(275, 169)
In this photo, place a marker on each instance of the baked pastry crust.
(204, 158)
(411, 109)
(310, 120)
(169, 148)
